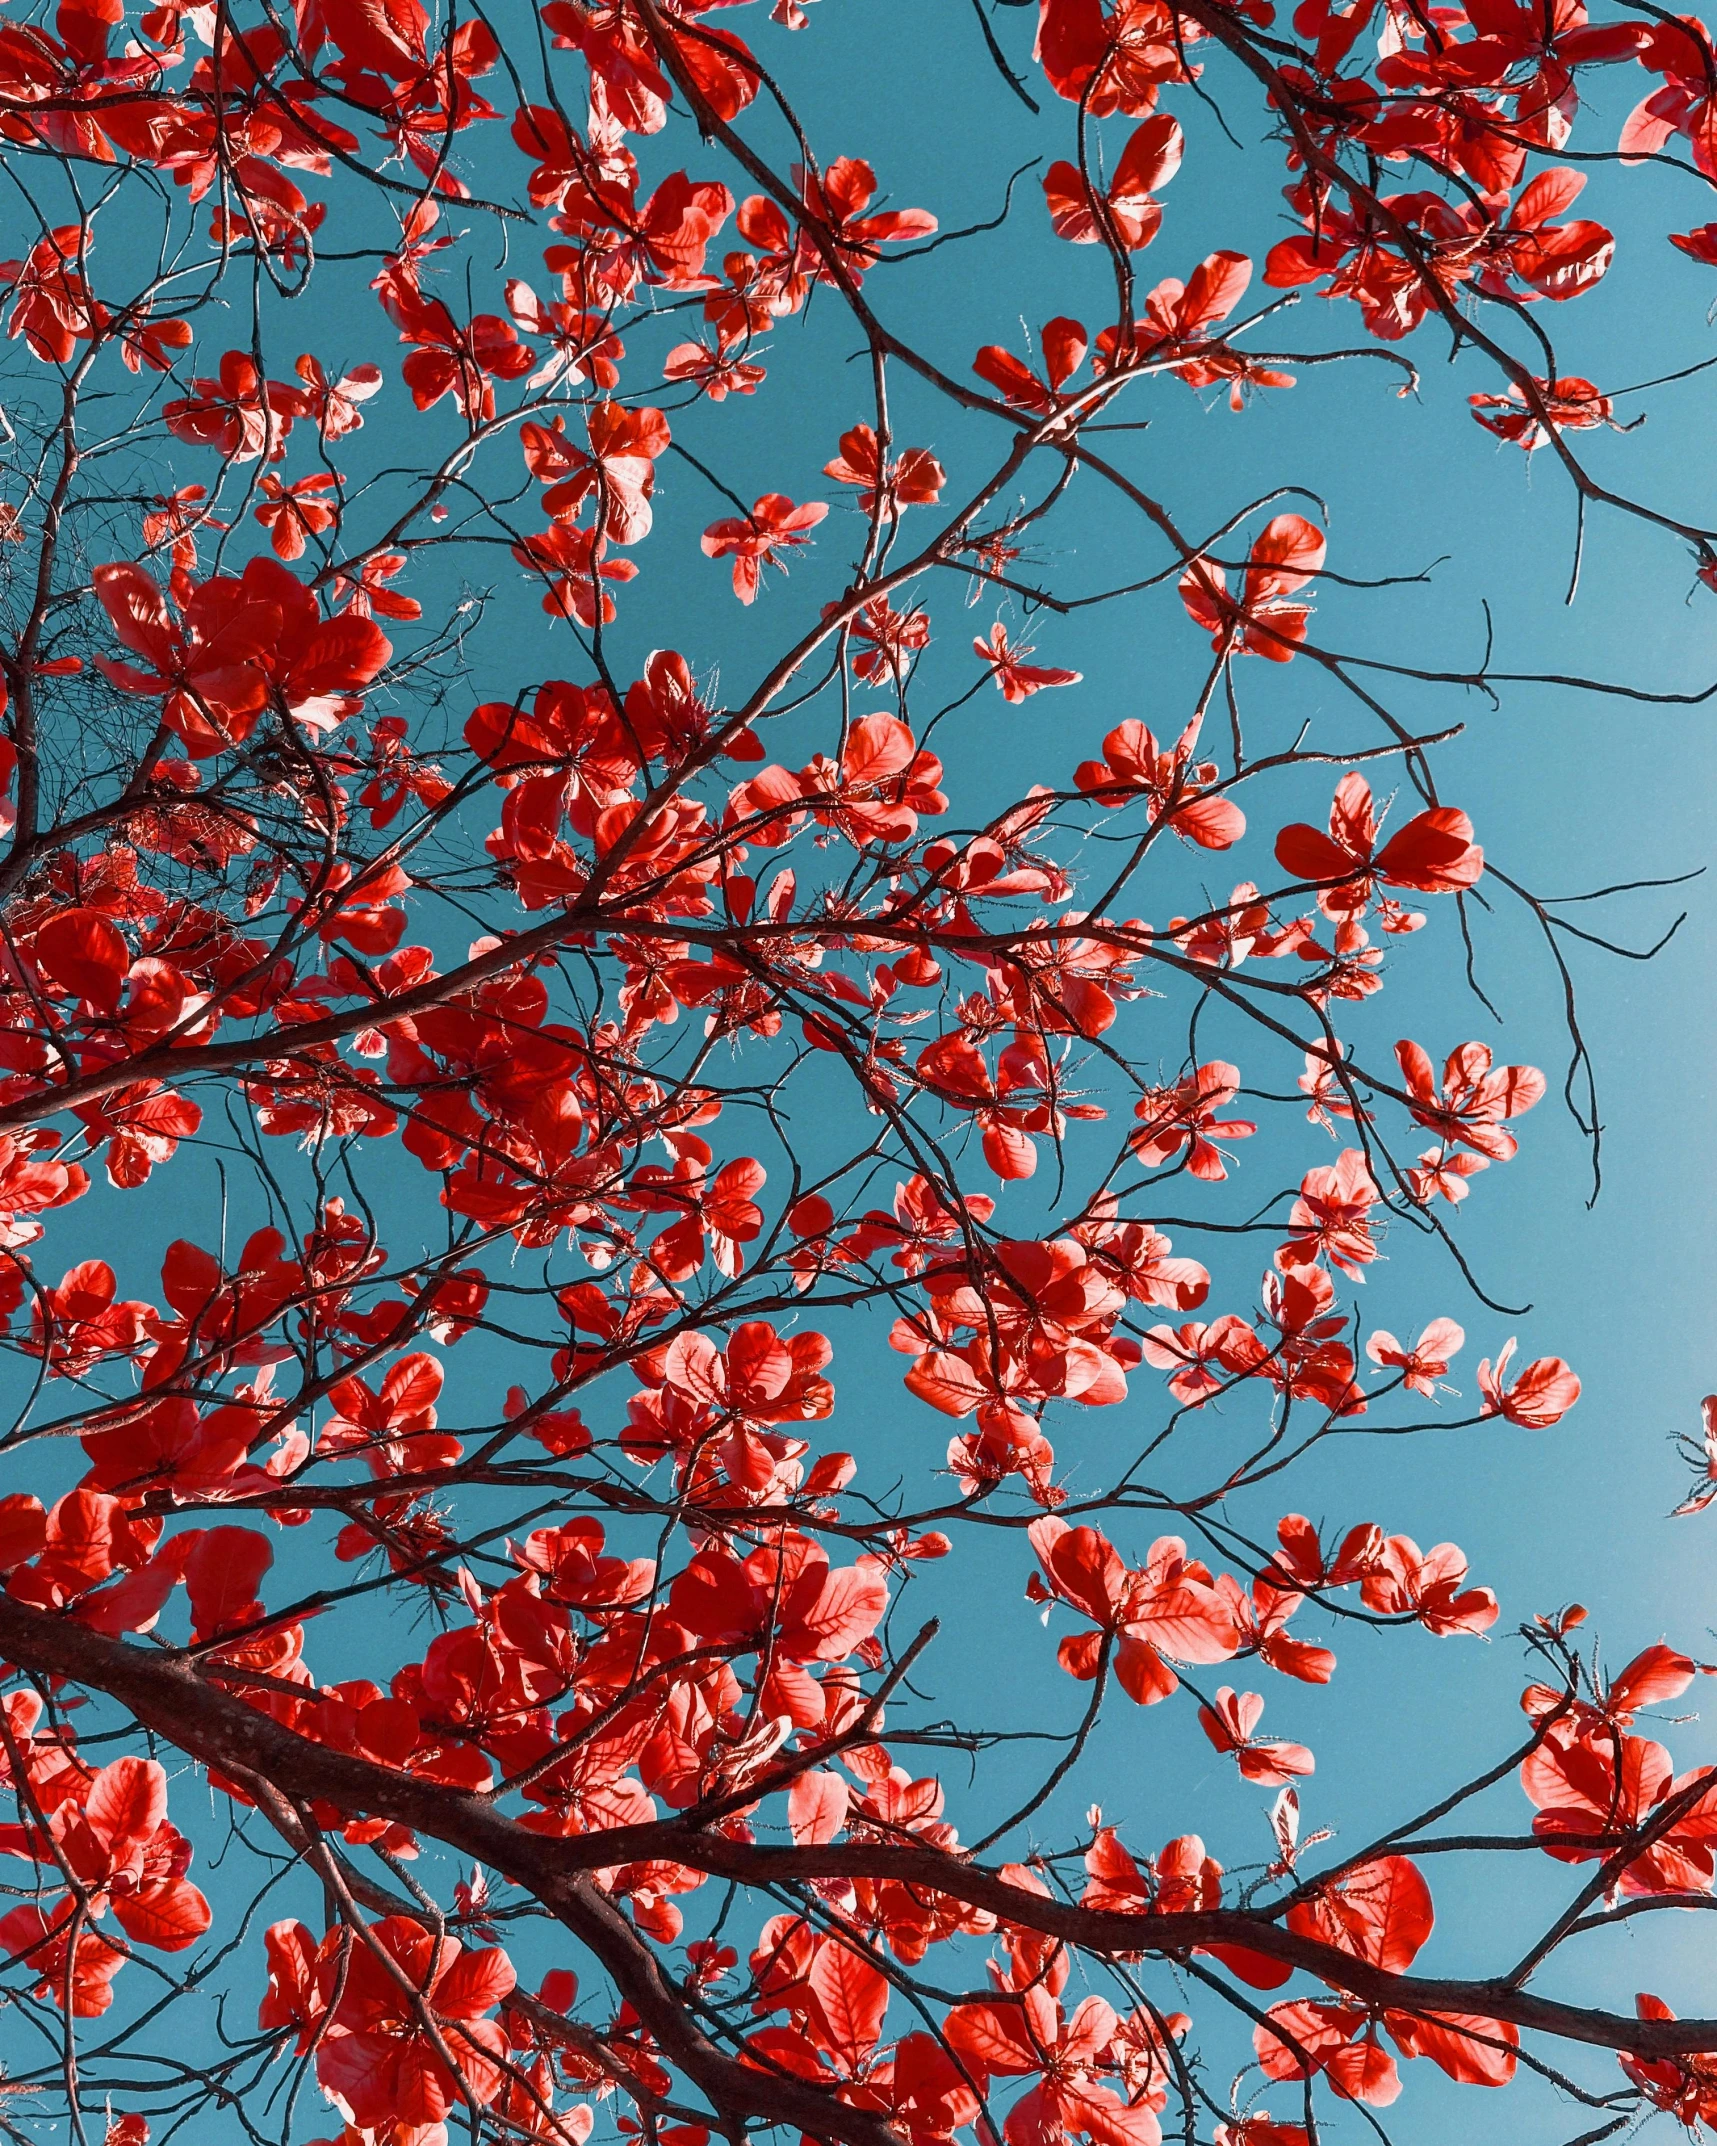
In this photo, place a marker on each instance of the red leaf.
(82, 952)
(1381, 1913)
(222, 1574)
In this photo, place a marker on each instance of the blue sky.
(1568, 792)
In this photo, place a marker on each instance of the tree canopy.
(565, 893)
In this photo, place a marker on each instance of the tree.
(595, 1044)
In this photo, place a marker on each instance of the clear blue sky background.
(1568, 792)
